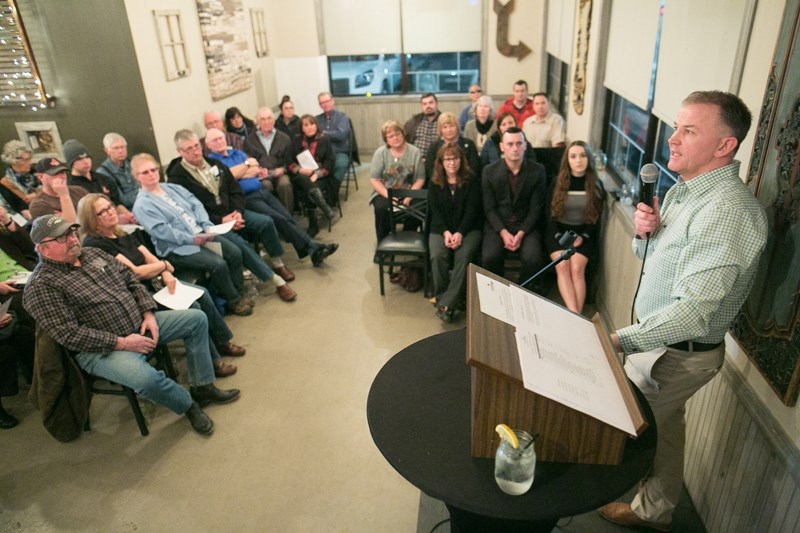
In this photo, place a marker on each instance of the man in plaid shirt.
(703, 246)
(92, 304)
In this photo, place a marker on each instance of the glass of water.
(513, 467)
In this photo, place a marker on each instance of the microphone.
(567, 239)
(648, 175)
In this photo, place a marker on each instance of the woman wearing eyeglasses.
(100, 228)
(19, 185)
(454, 202)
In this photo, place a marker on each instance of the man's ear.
(727, 146)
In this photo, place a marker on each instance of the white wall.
(181, 103)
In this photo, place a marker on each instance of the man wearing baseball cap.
(92, 304)
(56, 197)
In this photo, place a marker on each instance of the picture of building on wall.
(222, 25)
(41, 138)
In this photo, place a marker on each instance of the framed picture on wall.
(42, 138)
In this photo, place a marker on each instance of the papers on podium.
(182, 298)
(560, 353)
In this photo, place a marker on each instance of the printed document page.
(495, 299)
(562, 358)
(182, 298)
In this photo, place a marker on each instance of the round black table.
(418, 412)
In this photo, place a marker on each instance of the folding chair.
(405, 243)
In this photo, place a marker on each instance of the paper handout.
(219, 229)
(306, 160)
(495, 299)
(182, 298)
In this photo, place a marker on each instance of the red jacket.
(519, 114)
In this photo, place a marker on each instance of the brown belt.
(688, 346)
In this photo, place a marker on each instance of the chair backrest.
(354, 157)
(416, 210)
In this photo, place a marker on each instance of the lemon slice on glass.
(507, 434)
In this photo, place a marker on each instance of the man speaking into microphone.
(703, 250)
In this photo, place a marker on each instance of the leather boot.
(200, 421)
(206, 394)
(316, 196)
(313, 227)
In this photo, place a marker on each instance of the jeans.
(218, 331)
(340, 166)
(249, 256)
(225, 272)
(263, 202)
(132, 369)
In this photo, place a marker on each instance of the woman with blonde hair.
(450, 133)
(100, 229)
(576, 203)
(395, 165)
(479, 129)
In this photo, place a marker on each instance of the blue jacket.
(170, 233)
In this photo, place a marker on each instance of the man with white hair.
(117, 168)
(273, 150)
(212, 119)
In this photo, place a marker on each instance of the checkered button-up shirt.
(701, 262)
(85, 308)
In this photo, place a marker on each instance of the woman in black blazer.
(456, 213)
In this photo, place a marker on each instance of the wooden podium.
(565, 434)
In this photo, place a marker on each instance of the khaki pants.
(679, 374)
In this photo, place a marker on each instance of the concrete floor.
(294, 454)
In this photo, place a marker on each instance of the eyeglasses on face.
(450, 159)
(106, 210)
(71, 232)
(475, 91)
(147, 171)
(191, 147)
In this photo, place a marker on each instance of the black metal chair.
(98, 385)
(351, 167)
(405, 243)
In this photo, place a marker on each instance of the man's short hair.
(320, 95)
(523, 83)
(183, 136)
(428, 95)
(263, 110)
(534, 95)
(733, 112)
(513, 130)
(111, 138)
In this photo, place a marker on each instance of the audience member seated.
(544, 129)
(335, 125)
(483, 125)
(100, 229)
(16, 243)
(273, 151)
(117, 168)
(456, 214)
(79, 167)
(520, 104)
(287, 121)
(493, 150)
(261, 201)
(514, 195)
(19, 185)
(212, 119)
(422, 130)
(177, 222)
(468, 113)
(395, 165)
(237, 123)
(450, 134)
(213, 185)
(91, 303)
(319, 185)
(576, 203)
(56, 197)
(17, 343)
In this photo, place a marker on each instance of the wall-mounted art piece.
(173, 46)
(222, 25)
(259, 31)
(41, 138)
(768, 327)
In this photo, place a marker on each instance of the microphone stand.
(566, 254)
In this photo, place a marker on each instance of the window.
(666, 178)
(557, 84)
(20, 84)
(445, 72)
(626, 138)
